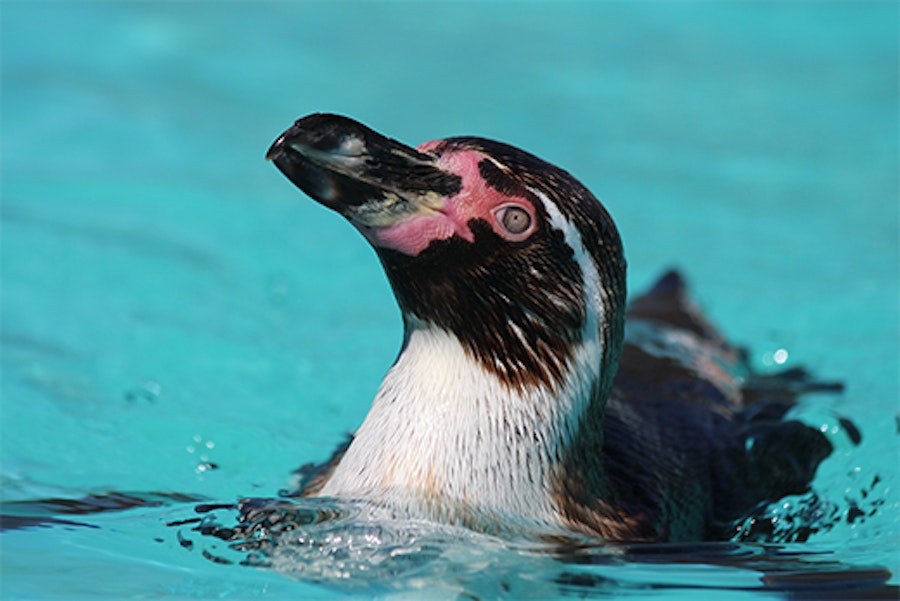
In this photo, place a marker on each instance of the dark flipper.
(668, 302)
(687, 403)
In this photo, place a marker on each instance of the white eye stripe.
(503, 168)
(593, 291)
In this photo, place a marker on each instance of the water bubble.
(780, 356)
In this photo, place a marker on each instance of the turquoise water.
(177, 318)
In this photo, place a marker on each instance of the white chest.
(446, 439)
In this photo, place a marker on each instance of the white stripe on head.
(594, 297)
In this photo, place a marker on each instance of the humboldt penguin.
(528, 393)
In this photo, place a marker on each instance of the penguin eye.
(514, 220)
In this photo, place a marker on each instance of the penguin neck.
(447, 439)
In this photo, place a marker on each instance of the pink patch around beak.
(476, 200)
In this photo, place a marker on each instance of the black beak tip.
(276, 149)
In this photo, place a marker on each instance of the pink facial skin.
(476, 200)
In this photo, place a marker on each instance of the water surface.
(178, 319)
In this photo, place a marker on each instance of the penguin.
(528, 392)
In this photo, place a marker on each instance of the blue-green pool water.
(177, 318)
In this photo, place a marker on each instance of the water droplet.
(780, 356)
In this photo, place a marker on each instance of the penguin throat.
(448, 440)
(452, 437)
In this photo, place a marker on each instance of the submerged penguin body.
(523, 396)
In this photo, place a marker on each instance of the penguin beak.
(372, 180)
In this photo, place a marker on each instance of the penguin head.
(508, 253)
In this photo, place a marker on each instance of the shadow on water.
(43, 513)
(352, 548)
(779, 568)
